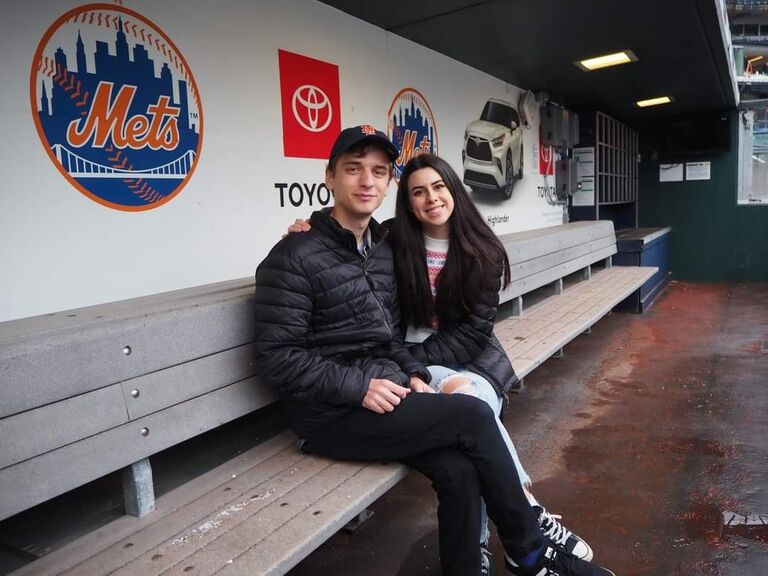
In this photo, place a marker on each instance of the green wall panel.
(713, 238)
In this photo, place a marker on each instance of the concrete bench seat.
(92, 391)
(548, 326)
(259, 513)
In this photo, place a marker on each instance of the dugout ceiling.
(533, 43)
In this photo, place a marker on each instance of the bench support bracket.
(586, 274)
(558, 286)
(352, 526)
(138, 488)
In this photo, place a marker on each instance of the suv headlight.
(496, 142)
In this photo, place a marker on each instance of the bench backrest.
(539, 257)
(89, 391)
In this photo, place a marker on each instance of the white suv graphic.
(493, 149)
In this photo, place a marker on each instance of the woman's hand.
(418, 385)
(298, 226)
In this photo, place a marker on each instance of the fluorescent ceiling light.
(654, 101)
(598, 62)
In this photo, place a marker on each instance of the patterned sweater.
(437, 252)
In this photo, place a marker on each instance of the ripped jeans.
(479, 387)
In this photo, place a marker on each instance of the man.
(328, 337)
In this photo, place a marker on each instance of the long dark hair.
(473, 249)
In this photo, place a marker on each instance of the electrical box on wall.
(565, 177)
(559, 127)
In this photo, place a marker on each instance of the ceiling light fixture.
(624, 57)
(654, 101)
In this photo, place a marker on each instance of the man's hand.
(383, 395)
(418, 385)
(298, 226)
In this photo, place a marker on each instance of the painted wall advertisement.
(149, 148)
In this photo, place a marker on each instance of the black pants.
(453, 439)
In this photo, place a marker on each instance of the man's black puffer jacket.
(469, 340)
(327, 322)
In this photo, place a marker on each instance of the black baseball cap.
(350, 137)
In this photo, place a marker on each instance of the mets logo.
(116, 107)
(411, 126)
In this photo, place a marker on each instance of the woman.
(450, 268)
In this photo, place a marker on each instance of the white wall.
(60, 249)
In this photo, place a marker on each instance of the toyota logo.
(309, 103)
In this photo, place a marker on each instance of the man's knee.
(471, 407)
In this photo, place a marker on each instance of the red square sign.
(546, 160)
(309, 93)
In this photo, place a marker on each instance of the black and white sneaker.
(561, 536)
(556, 562)
(486, 561)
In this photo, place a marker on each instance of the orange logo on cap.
(368, 130)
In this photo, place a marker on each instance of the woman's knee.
(459, 384)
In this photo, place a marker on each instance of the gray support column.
(586, 273)
(517, 306)
(609, 262)
(558, 284)
(138, 489)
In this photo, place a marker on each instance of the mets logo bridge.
(79, 167)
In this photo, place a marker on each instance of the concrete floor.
(641, 436)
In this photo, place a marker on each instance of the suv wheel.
(509, 175)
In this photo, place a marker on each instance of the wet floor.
(642, 436)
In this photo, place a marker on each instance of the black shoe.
(561, 536)
(486, 561)
(558, 562)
